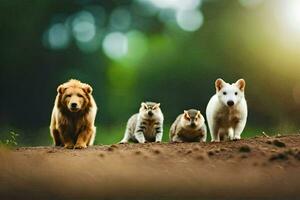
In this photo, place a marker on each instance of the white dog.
(226, 111)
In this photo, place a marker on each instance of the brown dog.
(73, 116)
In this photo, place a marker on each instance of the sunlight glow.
(292, 13)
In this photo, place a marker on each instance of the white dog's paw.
(231, 137)
(237, 137)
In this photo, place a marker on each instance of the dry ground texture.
(257, 168)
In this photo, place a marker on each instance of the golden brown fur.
(73, 115)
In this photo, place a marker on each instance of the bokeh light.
(58, 36)
(120, 19)
(189, 20)
(250, 3)
(167, 16)
(137, 45)
(185, 13)
(92, 45)
(176, 4)
(84, 26)
(98, 13)
(115, 45)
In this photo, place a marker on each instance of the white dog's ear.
(219, 84)
(241, 84)
(87, 88)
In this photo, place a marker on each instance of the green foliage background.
(164, 64)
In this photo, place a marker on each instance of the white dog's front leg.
(231, 134)
(239, 129)
(215, 135)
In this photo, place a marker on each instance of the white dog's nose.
(230, 103)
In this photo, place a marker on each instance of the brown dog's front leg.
(67, 140)
(83, 139)
(56, 137)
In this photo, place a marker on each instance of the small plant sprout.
(12, 140)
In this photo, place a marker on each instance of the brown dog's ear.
(241, 84)
(87, 88)
(219, 84)
(60, 89)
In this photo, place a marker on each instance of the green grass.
(105, 135)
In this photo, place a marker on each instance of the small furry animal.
(73, 116)
(145, 126)
(226, 111)
(188, 127)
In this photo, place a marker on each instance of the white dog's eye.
(235, 93)
(224, 93)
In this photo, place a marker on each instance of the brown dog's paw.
(69, 146)
(80, 146)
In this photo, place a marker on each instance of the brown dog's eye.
(68, 95)
(79, 95)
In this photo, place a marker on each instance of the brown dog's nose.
(74, 105)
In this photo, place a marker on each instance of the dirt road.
(257, 168)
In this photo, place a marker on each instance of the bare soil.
(256, 168)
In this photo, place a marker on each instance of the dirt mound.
(257, 168)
